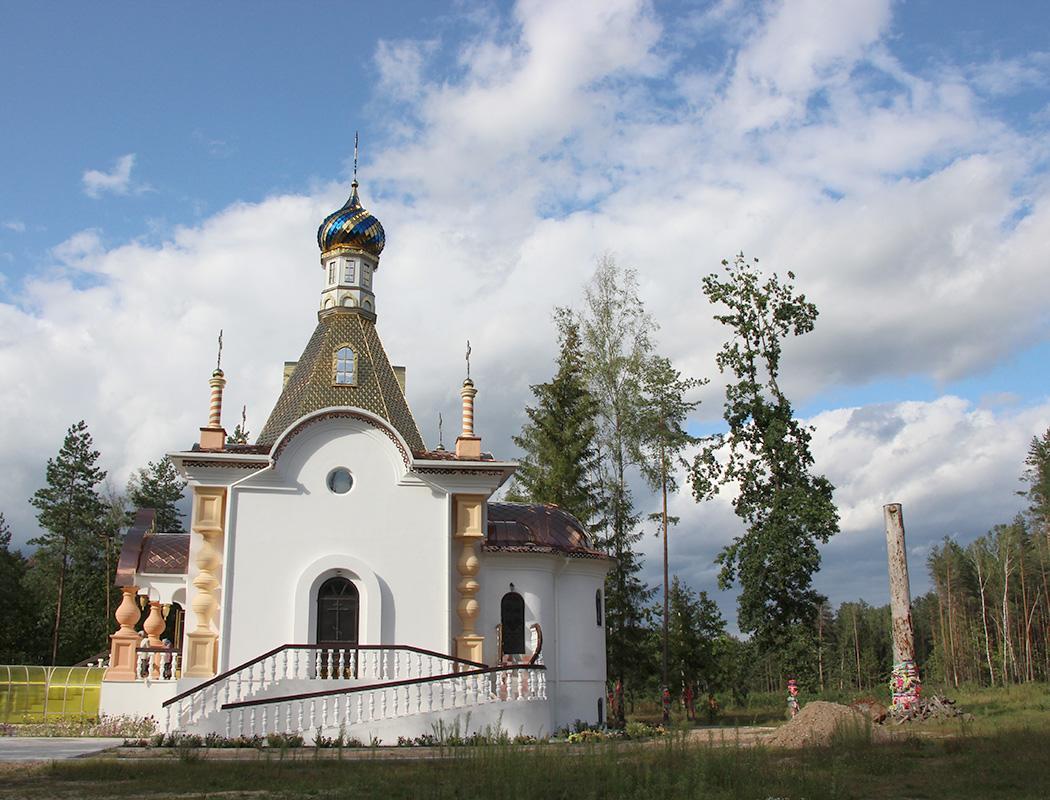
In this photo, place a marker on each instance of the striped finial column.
(468, 445)
(468, 393)
(217, 382)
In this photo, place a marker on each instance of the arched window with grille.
(512, 617)
(344, 367)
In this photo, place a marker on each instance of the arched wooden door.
(338, 611)
(512, 618)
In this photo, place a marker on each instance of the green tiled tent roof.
(311, 386)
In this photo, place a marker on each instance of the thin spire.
(441, 435)
(355, 157)
(218, 358)
(468, 359)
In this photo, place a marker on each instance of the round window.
(340, 480)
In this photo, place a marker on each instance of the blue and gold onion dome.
(352, 226)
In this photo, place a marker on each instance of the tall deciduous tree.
(560, 459)
(787, 510)
(158, 485)
(617, 347)
(69, 510)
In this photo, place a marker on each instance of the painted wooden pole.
(904, 680)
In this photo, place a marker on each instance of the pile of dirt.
(928, 709)
(818, 724)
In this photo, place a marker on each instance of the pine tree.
(787, 510)
(662, 442)
(558, 441)
(13, 644)
(158, 486)
(69, 510)
(1037, 476)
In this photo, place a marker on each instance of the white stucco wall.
(559, 595)
(288, 533)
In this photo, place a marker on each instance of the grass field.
(1001, 754)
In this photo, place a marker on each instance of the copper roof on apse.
(144, 551)
(311, 385)
(165, 554)
(529, 528)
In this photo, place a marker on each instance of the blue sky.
(164, 168)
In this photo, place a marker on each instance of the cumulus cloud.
(954, 467)
(915, 219)
(116, 181)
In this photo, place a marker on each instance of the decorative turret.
(351, 241)
(213, 436)
(467, 444)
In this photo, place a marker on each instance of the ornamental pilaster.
(467, 534)
(209, 516)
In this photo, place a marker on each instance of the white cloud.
(15, 225)
(116, 181)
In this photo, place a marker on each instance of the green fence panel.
(41, 694)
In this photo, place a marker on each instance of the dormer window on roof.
(345, 367)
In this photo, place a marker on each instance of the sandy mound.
(818, 723)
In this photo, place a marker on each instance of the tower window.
(331, 272)
(345, 366)
(348, 271)
(366, 276)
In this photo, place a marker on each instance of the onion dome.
(352, 226)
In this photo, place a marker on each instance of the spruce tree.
(787, 509)
(695, 624)
(158, 486)
(558, 441)
(70, 512)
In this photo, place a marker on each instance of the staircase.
(367, 692)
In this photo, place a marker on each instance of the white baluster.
(226, 692)
(360, 703)
(229, 724)
(273, 669)
(265, 720)
(375, 665)
(284, 664)
(382, 706)
(167, 719)
(317, 663)
(371, 706)
(352, 671)
(252, 722)
(396, 698)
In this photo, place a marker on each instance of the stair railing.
(377, 663)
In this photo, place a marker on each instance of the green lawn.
(1001, 754)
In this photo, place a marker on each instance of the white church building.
(339, 575)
